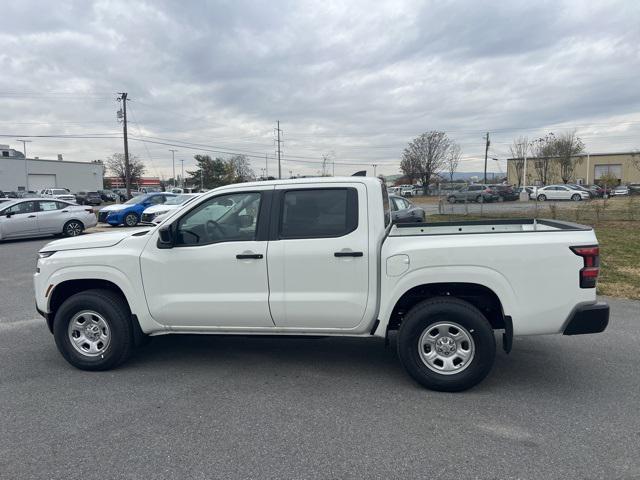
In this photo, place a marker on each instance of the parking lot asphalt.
(246, 407)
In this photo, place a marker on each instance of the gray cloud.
(359, 79)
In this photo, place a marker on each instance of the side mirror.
(245, 221)
(165, 237)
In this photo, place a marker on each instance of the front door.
(19, 220)
(318, 257)
(216, 274)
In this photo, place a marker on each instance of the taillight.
(589, 272)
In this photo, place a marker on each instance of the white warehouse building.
(18, 173)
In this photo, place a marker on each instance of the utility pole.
(279, 165)
(486, 152)
(266, 167)
(26, 168)
(173, 160)
(182, 173)
(374, 168)
(127, 167)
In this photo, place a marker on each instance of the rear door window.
(318, 213)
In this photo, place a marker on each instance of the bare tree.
(115, 165)
(566, 146)
(327, 159)
(453, 159)
(425, 156)
(542, 152)
(239, 169)
(518, 150)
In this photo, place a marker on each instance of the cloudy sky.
(355, 80)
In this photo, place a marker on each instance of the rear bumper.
(588, 319)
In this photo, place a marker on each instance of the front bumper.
(588, 319)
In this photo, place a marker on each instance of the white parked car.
(559, 192)
(38, 217)
(150, 214)
(58, 194)
(620, 190)
(320, 256)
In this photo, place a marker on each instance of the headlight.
(45, 254)
(157, 214)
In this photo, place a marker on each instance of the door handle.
(65, 211)
(348, 254)
(31, 216)
(245, 256)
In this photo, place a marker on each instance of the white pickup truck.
(320, 257)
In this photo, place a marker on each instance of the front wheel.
(131, 220)
(451, 199)
(576, 198)
(446, 344)
(92, 330)
(542, 198)
(479, 199)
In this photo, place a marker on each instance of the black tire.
(479, 199)
(542, 198)
(451, 199)
(72, 228)
(448, 309)
(500, 198)
(576, 197)
(131, 220)
(114, 311)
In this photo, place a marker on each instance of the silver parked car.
(39, 217)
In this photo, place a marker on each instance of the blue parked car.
(130, 212)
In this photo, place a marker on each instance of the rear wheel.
(451, 199)
(479, 199)
(542, 198)
(131, 220)
(500, 198)
(575, 197)
(446, 344)
(72, 228)
(92, 330)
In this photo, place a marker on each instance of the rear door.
(318, 256)
(50, 216)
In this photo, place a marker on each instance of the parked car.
(473, 193)
(130, 212)
(322, 259)
(88, 198)
(620, 190)
(506, 193)
(150, 214)
(560, 192)
(402, 210)
(38, 217)
(108, 195)
(58, 194)
(596, 190)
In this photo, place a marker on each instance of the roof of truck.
(298, 181)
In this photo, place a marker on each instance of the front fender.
(394, 288)
(133, 293)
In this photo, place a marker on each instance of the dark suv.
(88, 198)
(506, 192)
(473, 193)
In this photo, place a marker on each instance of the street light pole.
(182, 173)
(173, 160)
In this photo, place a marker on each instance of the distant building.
(18, 173)
(588, 169)
(145, 182)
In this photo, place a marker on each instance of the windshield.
(59, 191)
(178, 200)
(134, 200)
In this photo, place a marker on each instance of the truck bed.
(485, 227)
